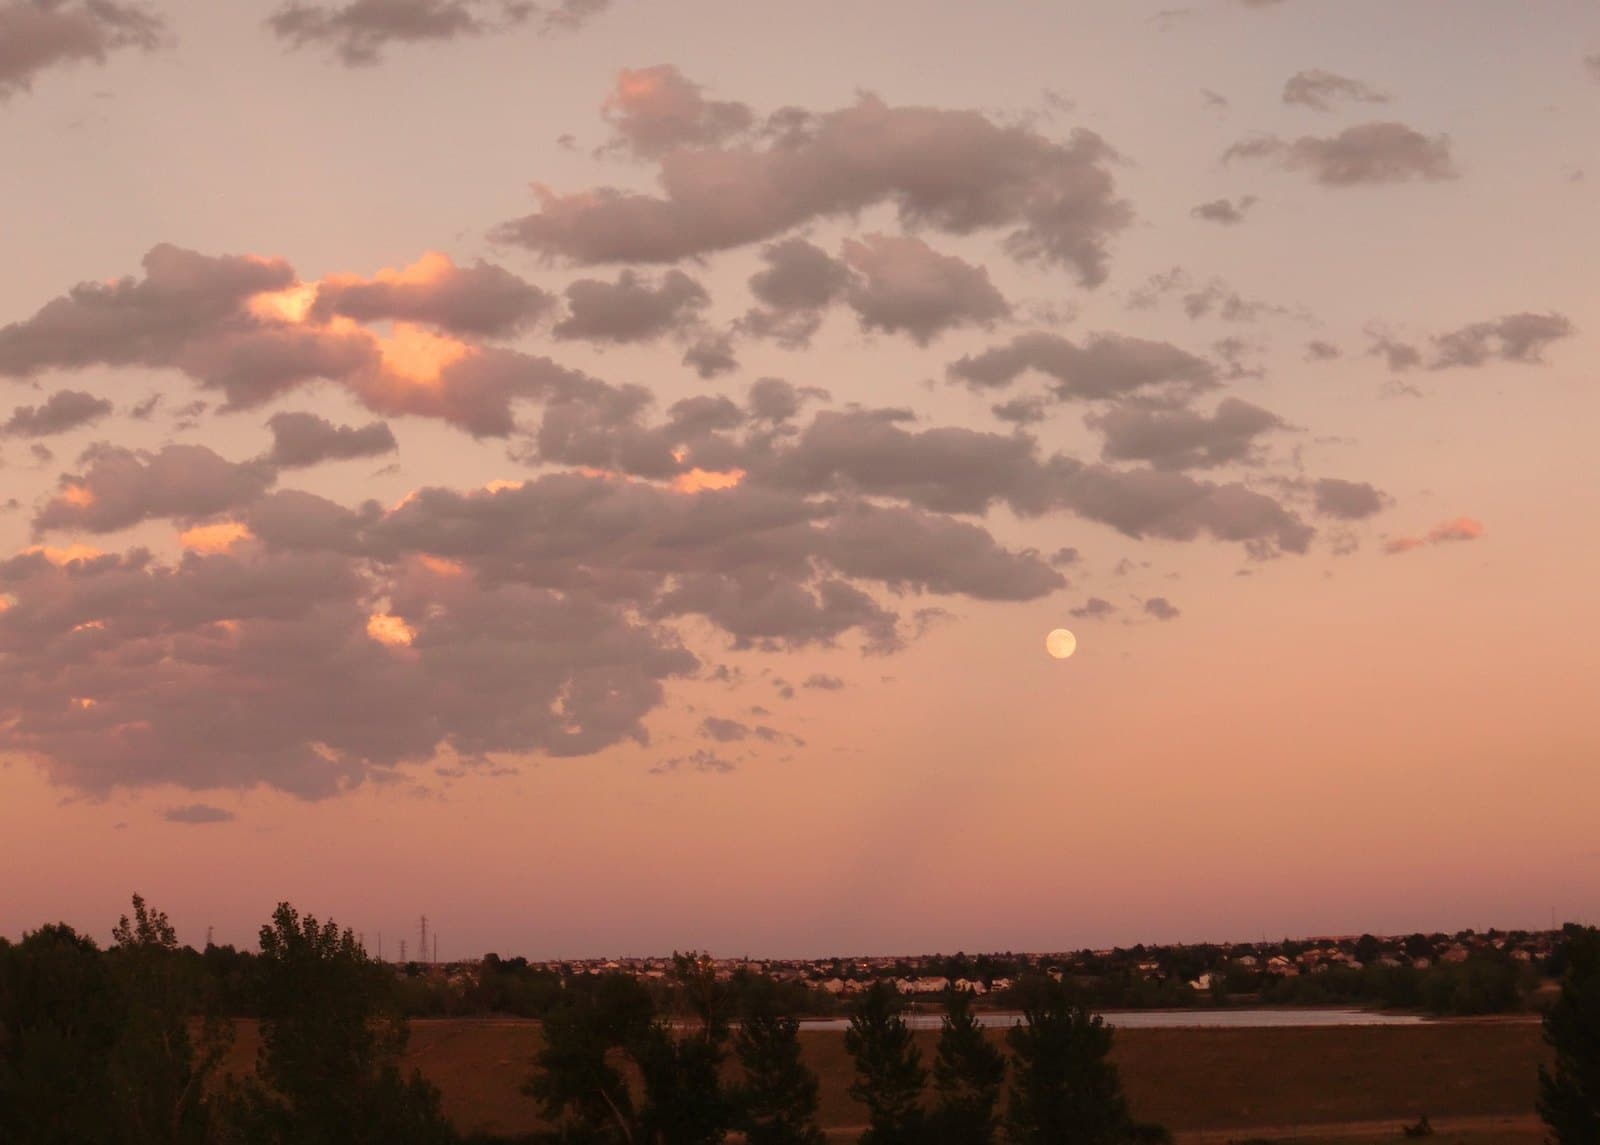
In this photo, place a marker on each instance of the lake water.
(1241, 1019)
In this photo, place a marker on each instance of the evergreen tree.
(968, 1071)
(1064, 1091)
(1569, 1095)
(889, 1073)
(777, 1100)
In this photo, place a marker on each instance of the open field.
(1476, 1080)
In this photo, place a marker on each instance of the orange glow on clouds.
(419, 355)
(62, 556)
(703, 480)
(389, 629)
(1460, 529)
(431, 267)
(80, 495)
(290, 305)
(217, 538)
(440, 566)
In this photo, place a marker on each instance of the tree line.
(125, 1046)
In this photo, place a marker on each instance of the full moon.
(1061, 644)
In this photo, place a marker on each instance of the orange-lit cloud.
(217, 538)
(79, 496)
(389, 629)
(65, 554)
(432, 267)
(1460, 529)
(291, 306)
(419, 355)
(440, 566)
(701, 480)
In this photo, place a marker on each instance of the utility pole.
(402, 952)
(424, 946)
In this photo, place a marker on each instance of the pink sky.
(603, 478)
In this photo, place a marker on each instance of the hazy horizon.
(602, 473)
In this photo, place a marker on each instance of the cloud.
(248, 327)
(1592, 64)
(1446, 532)
(1348, 500)
(819, 681)
(482, 300)
(655, 110)
(723, 731)
(302, 439)
(122, 487)
(954, 171)
(634, 308)
(1320, 90)
(1319, 351)
(360, 31)
(905, 286)
(1398, 356)
(700, 759)
(37, 36)
(1367, 154)
(1106, 366)
(799, 282)
(1094, 609)
(62, 411)
(1161, 608)
(1182, 438)
(1228, 212)
(197, 813)
(711, 355)
(1512, 338)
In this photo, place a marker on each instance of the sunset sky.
(600, 473)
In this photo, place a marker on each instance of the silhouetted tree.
(889, 1073)
(60, 1019)
(968, 1071)
(159, 1075)
(328, 1070)
(1569, 1095)
(575, 1082)
(1064, 1091)
(776, 1103)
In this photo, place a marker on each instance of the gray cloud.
(62, 411)
(36, 35)
(1182, 438)
(1348, 500)
(905, 286)
(799, 282)
(360, 31)
(122, 487)
(1094, 609)
(1228, 212)
(197, 813)
(655, 110)
(1319, 351)
(711, 355)
(819, 681)
(1161, 608)
(1107, 366)
(1512, 338)
(483, 299)
(302, 439)
(1369, 153)
(724, 731)
(634, 308)
(954, 171)
(1592, 63)
(1320, 90)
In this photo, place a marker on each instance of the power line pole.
(424, 946)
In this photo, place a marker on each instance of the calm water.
(1172, 1019)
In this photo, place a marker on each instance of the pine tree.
(968, 1071)
(889, 1073)
(777, 1100)
(1569, 1095)
(1064, 1090)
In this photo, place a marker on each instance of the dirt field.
(1475, 1080)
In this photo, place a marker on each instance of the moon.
(1061, 643)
